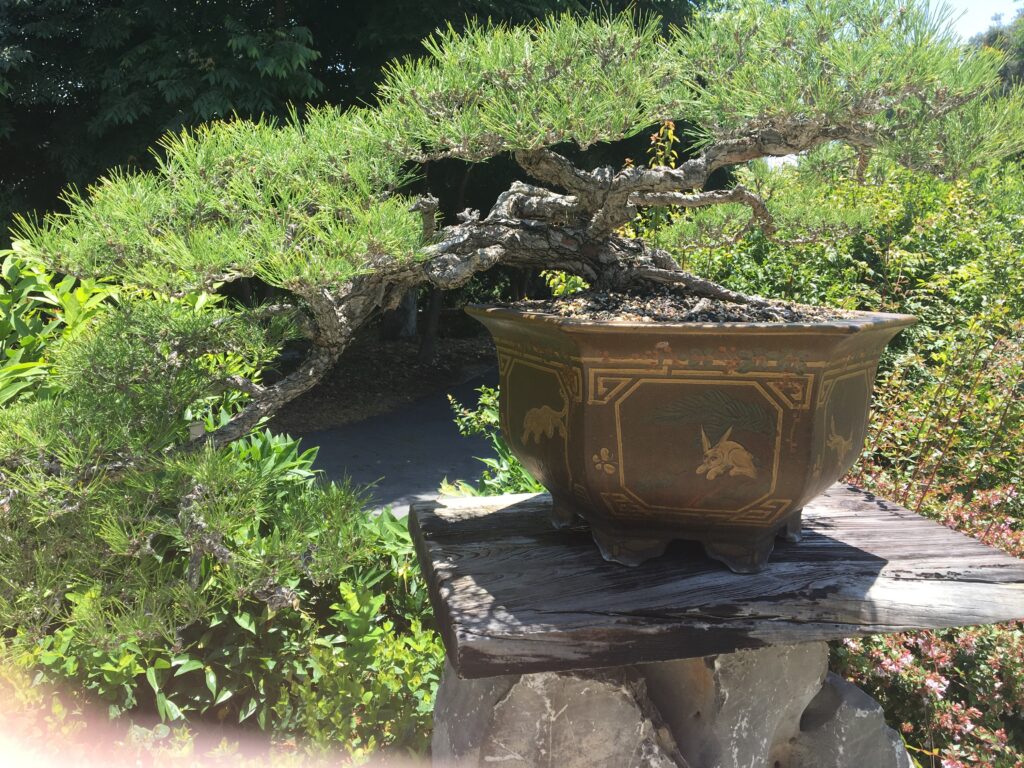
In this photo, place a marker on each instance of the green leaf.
(172, 710)
(223, 696)
(245, 621)
(188, 666)
(247, 709)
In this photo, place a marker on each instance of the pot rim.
(857, 321)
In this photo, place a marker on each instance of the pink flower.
(935, 684)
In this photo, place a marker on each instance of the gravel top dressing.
(670, 305)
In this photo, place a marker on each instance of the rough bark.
(569, 224)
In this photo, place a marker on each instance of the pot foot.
(740, 556)
(792, 530)
(626, 550)
(562, 515)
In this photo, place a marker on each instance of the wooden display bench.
(556, 657)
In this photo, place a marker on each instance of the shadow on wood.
(514, 595)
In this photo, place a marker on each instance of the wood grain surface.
(514, 595)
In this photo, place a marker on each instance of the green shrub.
(302, 613)
(47, 723)
(38, 308)
(223, 583)
(503, 473)
(943, 250)
(375, 690)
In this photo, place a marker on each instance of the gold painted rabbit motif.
(725, 457)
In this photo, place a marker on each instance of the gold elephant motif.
(544, 421)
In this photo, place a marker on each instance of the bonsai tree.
(169, 378)
(319, 210)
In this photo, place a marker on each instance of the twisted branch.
(759, 213)
(609, 198)
(555, 170)
(531, 226)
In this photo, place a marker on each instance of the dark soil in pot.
(669, 305)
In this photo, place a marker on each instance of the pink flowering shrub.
(946, 440)
(957, 695)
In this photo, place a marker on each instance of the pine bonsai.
(317, 208)
(320, 209)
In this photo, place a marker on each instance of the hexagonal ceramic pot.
(653, 431)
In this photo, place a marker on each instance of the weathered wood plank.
(514, 595)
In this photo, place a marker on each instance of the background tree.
(358, 40)
(89, 85)
(86, 86)
(1008, 37)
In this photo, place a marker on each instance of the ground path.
(407, 452)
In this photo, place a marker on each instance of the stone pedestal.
(772, 708)
(567, 661)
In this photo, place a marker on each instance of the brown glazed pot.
(716, 432)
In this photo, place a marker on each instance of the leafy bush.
(46, 723)
(956, 695)
(943, 250)
(302, 613)
(503, 473)
(226, 583)
(38, 308)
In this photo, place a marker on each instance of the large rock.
(548, 719)
(462, 713)
(775, 707)
(738, 710)
(576, 722)
(843, 727)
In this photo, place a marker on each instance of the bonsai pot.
(654, 431)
